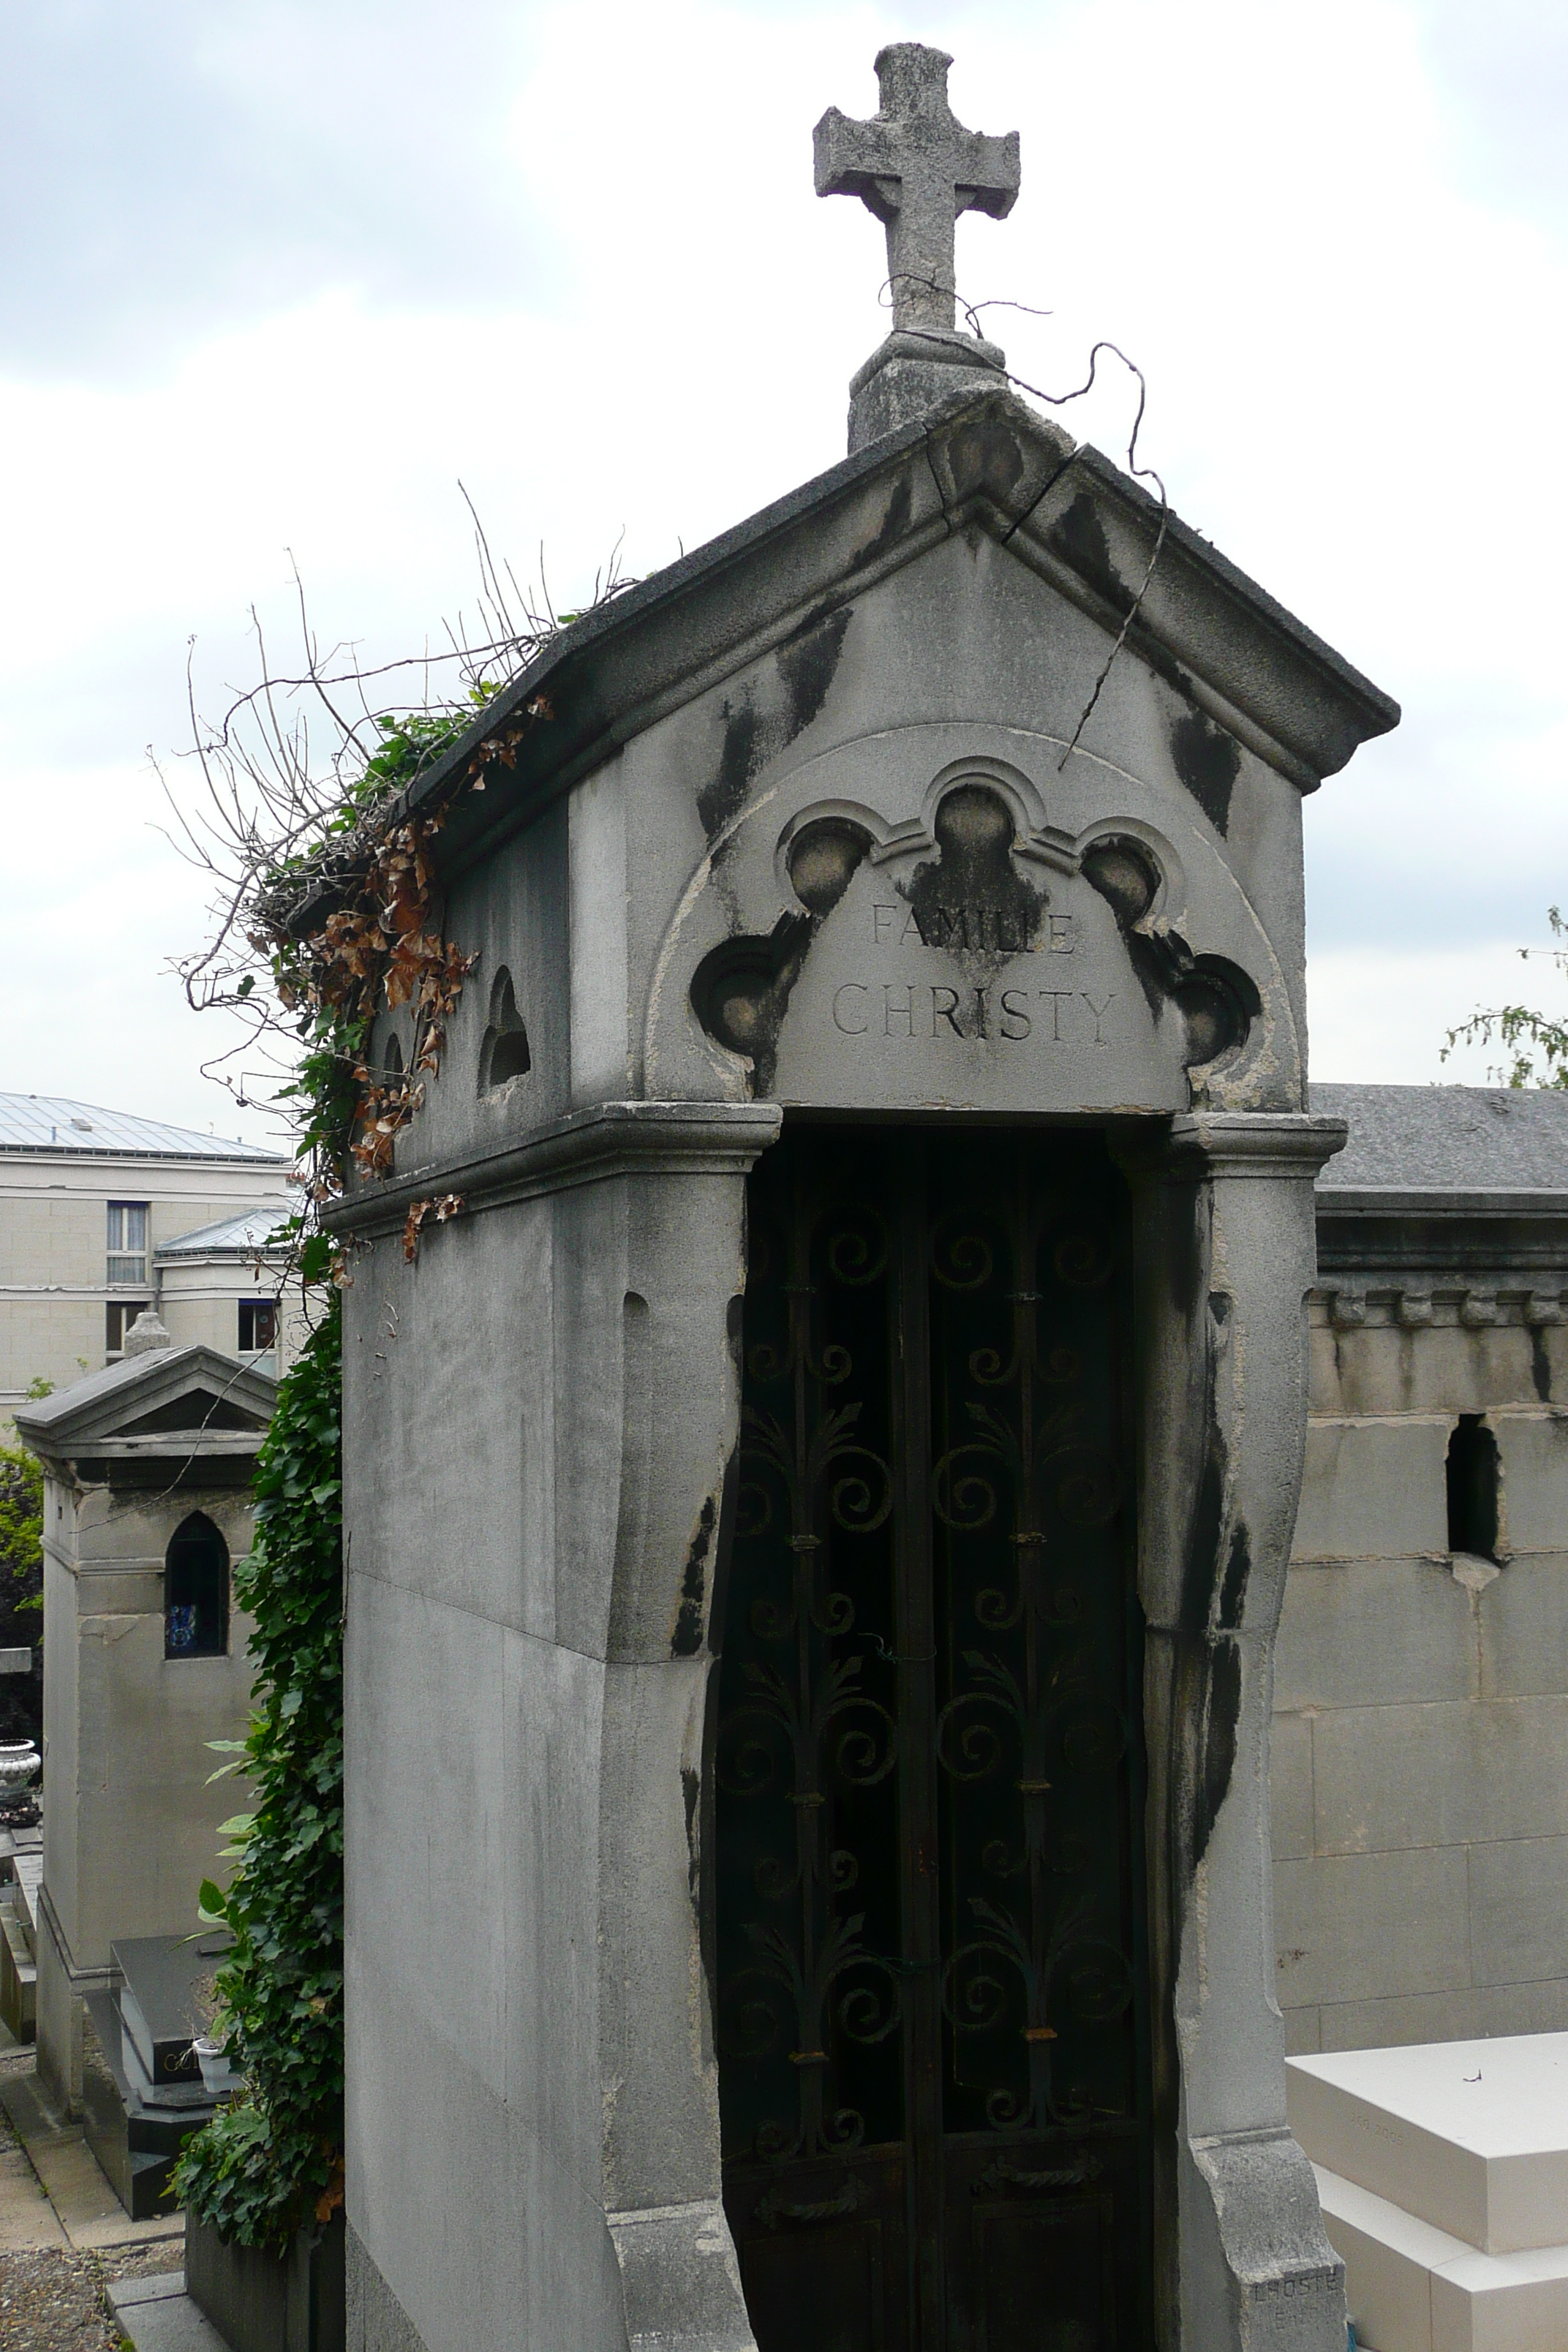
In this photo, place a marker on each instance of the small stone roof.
(53, 1123)
(1450, 1139)
(169, 1401)
(245, 1236)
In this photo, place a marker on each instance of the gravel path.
(51, 2300)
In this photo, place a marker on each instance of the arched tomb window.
(196, 1590)
(504, 1053)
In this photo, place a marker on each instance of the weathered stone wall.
(696, 881)
(131, 1825)
(1420, 1757)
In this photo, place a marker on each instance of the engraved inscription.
(929, 1010)
(1292, 2288)
(979, 929)
(1283, 2308)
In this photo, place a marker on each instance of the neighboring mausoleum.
(818, 1502)
(146, 1506)
(1420, 1736)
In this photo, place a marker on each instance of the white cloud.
(1381, 1015)
(570, 254)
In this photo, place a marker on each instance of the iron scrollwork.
(927, 1753)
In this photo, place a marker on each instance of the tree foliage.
(1535, 1042)
(22, 1583)
(275, 2155)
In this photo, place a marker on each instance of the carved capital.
(1278, 1146)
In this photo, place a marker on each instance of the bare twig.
(971, 311)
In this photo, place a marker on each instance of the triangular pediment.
(167, 1397)
(983, 461)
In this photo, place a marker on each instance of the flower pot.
(217, 2075)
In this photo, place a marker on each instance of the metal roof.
(50, 1123)
(241, 1236)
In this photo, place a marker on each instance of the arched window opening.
(391, 1059)
(504, 1054)
(196, 1590)
(1473, 1488)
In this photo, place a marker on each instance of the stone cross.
(917, 168)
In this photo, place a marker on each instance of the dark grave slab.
(135, 2148)
(142, 2093)
(159, 2003)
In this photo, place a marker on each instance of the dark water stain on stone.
(807, 667)
(894, 523)
(1079, 535)
(1202, 1540)
(1221, 1717)
(739, 759)
(686, 1639)
(971, 898)
(1208, 762)
(690, 1793)
(1539, 1364)
(985, 457)
(1237, 1569)
(740, 990)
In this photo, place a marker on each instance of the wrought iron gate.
(933, 2043)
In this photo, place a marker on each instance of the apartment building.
(104, 1212)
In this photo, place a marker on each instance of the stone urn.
(19, 1763)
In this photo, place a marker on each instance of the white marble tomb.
(1443, 2171)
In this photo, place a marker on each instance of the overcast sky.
(273, 277)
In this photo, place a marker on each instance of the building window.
(196, 1590)
(119, 1316)
(257, 1326)
(127, 1242)
(1473, 1488)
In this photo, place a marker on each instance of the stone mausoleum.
(146, 1505)
(818, 1507)
(1420, 1738)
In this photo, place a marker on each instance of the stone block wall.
(1420, 1766)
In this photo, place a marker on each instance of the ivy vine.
(323, 919)
(274, 2157)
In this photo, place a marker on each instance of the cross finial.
(917, 168)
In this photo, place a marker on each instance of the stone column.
(1224, 1253)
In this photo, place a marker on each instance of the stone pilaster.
(1224, 1245)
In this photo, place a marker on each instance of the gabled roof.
(167, 1402)
(983, 459)
(52, 1123)
(242, 1236)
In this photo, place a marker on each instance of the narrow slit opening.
(1472, 1476)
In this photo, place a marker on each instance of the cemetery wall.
(1420, 1759)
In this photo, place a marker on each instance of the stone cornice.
(587, 1147)
(1392, 1239)
(1354, 1302)
(1277, 1147)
